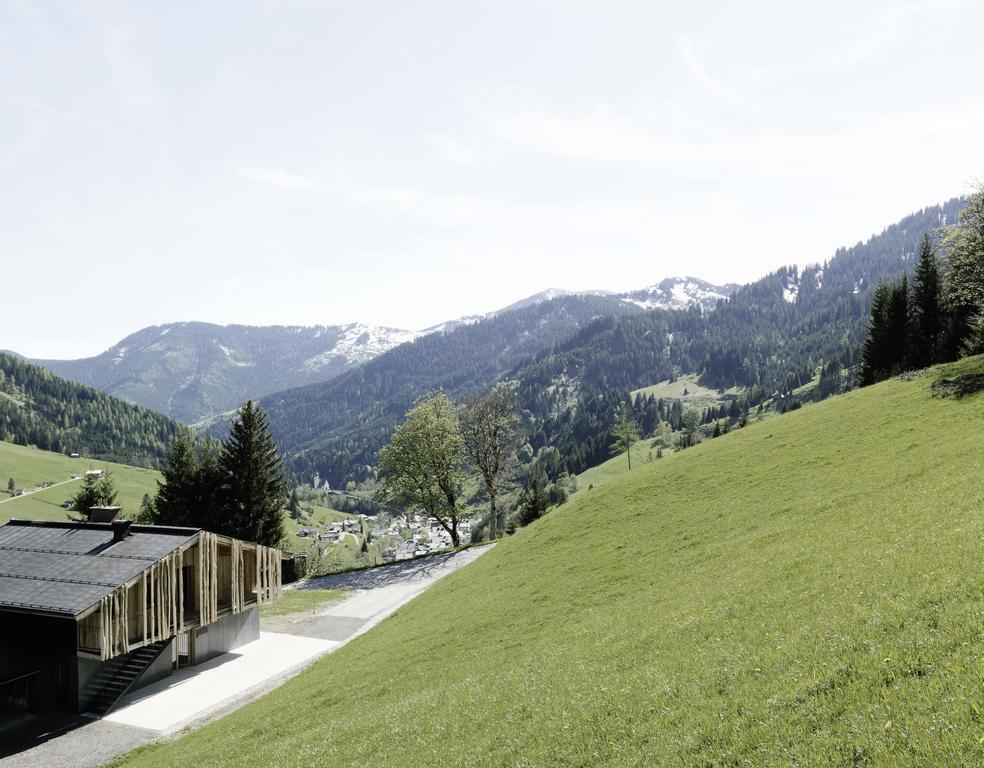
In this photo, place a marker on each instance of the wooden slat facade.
(191, 587)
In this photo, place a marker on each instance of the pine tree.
(534, 501)
(925, 313)
(294, 506)
(11, 486)
(95, 492)
(875, 350)
(253, 480)
(898, 326)
(177, 500)
(625, 433)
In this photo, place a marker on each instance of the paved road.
(375, 594)
(37, 490)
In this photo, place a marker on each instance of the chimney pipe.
(121, 529)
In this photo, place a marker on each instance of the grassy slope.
(806, 591)
(697, 395)
(29, 467)
(617, 465)
(301, 601)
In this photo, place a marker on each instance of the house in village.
(91, 611)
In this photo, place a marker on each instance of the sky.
(402, 163)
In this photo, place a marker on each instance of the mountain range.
(193, 370)
(334, 393)
(575, 359)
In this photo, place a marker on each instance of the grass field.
(697, 395)
(617, 465)
(301, 601)
(29, 467)
(807, 591)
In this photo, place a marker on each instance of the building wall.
(227, 634)
(43, 645)
(162, 666)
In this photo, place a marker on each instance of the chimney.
(103, 514)
(121, 529)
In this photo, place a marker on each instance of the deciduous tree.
(421, 467)
(964, 285)
(488, 428)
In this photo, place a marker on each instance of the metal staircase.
(116, 677)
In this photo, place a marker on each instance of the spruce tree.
(95, 492)
(625, 433)
(875, 350)
(898, 327)
(925, 313)
(253, 480)
(177, 496)
(534, 501)
(294, 506)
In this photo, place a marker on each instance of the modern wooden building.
(92, 611)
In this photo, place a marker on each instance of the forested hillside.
(586, 354)
(773, 336)
(338, 426)
(40, 409)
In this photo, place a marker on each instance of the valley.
(492, 385)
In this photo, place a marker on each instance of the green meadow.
(301, 601)
(806, 591)
(30, 467)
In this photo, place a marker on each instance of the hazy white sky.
(402, 163)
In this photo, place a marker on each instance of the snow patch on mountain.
(359, 343)
(791, 287)
(679, 293)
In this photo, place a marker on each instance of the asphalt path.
(37, 490)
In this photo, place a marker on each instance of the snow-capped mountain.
(359, 343)
(671, 293)
(680, 293)
(193, 370)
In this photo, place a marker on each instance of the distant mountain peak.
(680, 293)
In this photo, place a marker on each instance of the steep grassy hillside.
(805, 591)
(30, 467)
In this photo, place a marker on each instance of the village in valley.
(383, 537)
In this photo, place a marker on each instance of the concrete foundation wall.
(161, 667)
(226, 634)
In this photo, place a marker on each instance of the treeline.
(936, 315)
(42, 410)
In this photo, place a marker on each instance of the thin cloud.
(281, 178)
(693, 51)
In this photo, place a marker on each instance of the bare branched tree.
(489, 428)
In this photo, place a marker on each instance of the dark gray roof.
(65, 568)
